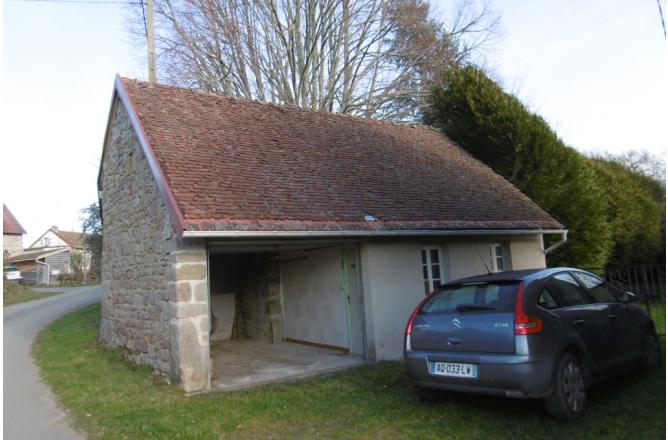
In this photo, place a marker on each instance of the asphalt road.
(30, 410)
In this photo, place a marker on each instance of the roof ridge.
(286, 106)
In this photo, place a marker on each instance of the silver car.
(544, 333)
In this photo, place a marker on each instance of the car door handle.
(612, 316)
(579, 321)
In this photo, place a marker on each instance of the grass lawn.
(658, 312)
(110, 398)
(14, 293)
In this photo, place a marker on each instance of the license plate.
(453, 369)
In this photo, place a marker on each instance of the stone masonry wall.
(154, 286)
(12, 244)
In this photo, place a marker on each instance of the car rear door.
(580, 313)
(476, 318)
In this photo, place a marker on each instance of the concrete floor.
(246, 363)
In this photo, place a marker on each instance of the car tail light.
(409, 324)
(525, 324)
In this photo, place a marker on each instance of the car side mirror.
(629, 297)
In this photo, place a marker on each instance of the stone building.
(231, 224)
(12, 233)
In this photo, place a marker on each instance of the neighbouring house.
(12, 233)
(232, 219)
(41, 266)
(50, 257)
(75, 242)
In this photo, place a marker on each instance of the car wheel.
(651, 354)
(427, 394)
(568, 398)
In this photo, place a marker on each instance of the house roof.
(9, 223)
(34, 255)
(233, 165)
(74, 240)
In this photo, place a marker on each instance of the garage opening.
(282, 312)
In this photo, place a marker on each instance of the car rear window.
(498, 297)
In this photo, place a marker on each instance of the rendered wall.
(49, 239)
(393, 286)
(393, 282)
(314, 304)
(527, 252)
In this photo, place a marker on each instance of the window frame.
(494, 257)
(425, 261)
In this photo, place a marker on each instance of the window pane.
(499, 263)
(435, 271)
(546, 301)
(566, 291)
(437, 283)
(424, 256)
(433, 253)
(425, 273)
(426, 287)
(602, 292)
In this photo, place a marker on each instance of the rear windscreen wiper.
(470, 307)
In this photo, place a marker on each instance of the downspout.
(48, 271)
(561, 242)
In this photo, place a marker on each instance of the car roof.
(526, 275)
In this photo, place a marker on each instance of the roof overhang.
(34, 256)
(359, 234)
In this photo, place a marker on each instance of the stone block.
(193, 361)
(191, 272)
(190, 256)
(201, 292)
(183, 291)
(188, 310)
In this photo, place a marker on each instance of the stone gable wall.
(154, 286)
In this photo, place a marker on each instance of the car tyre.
(651, 354)
(568, 398)
(427, 394)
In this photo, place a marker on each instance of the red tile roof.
(9, 223)
(74, 239)
(248, 166)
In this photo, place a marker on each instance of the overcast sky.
(595, 70)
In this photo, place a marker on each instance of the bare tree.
(373, 58)
(643, 162)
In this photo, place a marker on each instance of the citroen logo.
(455, 323)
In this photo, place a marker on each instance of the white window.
(431, 268)
(496, 253)
(46, 242)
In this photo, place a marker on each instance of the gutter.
(395, 233)
(561, 242)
